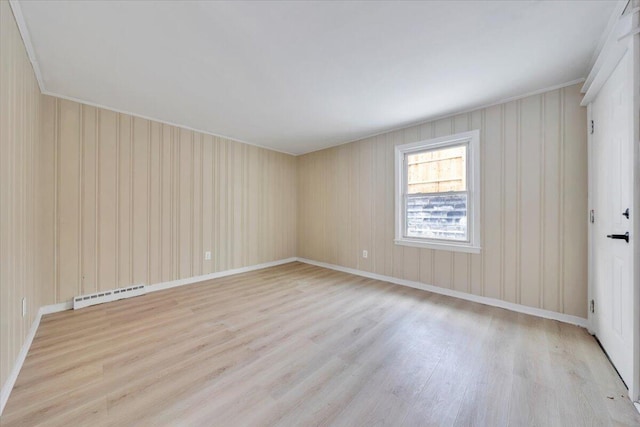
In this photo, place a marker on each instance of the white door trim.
(634, 45)
(590, 202)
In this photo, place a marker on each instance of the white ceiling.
(300, 76)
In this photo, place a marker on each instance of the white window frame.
(472, 140)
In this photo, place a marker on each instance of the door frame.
(621, 37)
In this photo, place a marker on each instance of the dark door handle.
(624, 236)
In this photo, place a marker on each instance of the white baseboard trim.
(68, 305)
(55, 308)
(13, 376)
(217, 275)
(547, 314)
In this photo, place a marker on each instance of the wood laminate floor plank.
(302, 345)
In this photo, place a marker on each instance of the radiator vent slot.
(108, 296)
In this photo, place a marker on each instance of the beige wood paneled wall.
(19, 132)
(128, 200)
(534, 205)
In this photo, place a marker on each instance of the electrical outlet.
(365, 254)
(207, 255)
(24, 307)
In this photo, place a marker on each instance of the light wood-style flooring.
(303, 345)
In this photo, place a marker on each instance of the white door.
(612, 173)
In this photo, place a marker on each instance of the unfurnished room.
(319, 213)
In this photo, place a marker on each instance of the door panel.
(612, 152)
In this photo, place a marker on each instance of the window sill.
(453, 247)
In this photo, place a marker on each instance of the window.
(437, 193)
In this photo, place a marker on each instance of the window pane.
(437, 217)
(437, 171)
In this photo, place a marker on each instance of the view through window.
(436, 194)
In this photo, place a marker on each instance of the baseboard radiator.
(82, 301)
